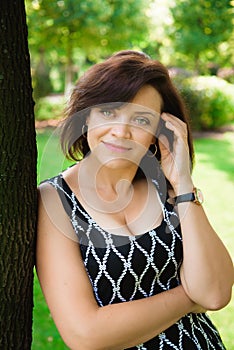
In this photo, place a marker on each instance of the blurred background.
(195, 40)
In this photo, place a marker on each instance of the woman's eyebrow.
(154, 114)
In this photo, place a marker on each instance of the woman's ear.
(153, 139)
(87, 120)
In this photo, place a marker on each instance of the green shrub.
(210, 101)
(50, 107)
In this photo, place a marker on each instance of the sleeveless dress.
(125, 268)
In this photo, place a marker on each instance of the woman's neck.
(107, 188)
(107, 177)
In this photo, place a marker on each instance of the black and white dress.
(125, 268)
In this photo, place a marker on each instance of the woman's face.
(122, 133)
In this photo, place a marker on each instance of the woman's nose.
(121, 129)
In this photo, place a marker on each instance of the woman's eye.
(142, 121)
(107, 113)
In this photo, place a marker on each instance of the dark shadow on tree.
(18, 195)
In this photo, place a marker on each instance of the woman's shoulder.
(54, 203)
(58, 181)
(48, 190)
(48, 182)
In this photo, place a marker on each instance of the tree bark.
(18, 202)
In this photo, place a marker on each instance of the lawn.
(213, 173)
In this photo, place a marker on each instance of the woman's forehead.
(148, 97)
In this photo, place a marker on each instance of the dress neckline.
(89, 218)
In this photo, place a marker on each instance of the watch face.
(199, 196)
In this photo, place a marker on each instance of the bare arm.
(67, 289)
(207, 273)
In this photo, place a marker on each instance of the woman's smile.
(115, 147)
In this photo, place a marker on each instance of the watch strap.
(187, 197)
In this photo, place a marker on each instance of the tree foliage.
(65, 36)
(69, 30)
(202, 29)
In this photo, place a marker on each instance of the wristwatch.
(196, 197)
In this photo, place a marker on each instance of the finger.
(163, 142)
(167, 117)
(176, 125)
(172, 118)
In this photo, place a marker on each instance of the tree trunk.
(17, 180)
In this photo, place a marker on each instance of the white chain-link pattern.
(124, 268)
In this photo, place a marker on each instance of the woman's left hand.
(208, 282)
(176, 164)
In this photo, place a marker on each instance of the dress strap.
(64, 192)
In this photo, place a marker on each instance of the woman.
(126, 256)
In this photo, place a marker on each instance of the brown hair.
(117, 79)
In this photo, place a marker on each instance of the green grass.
(213, 173)
(51, 161)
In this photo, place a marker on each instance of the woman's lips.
(116, 148)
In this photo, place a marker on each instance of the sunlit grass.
(213, 173)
